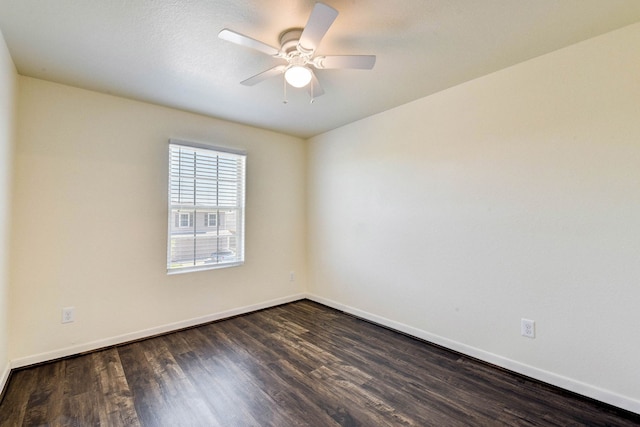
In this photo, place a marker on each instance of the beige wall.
(514, 195)
(90, 227)
(8, 86)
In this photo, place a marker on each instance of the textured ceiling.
(167, 51)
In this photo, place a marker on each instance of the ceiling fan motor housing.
(289, 39)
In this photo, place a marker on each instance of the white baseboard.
(570, 384)
(146, 333)
(4, 377)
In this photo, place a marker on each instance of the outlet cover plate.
(68, 314)
(528, 328)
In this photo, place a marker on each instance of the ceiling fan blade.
(315, 90)
(319, 22)
(242, 40)
(359, 62)
(271, 72)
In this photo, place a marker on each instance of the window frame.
(200, 208)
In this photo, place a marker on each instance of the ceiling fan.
(298, 47)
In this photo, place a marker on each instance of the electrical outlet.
(68, 314)
(528, 328)
(292, 276)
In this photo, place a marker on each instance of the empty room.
(356, 213)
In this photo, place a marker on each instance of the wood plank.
(115, 405)
(46, 398)
(208, 369)
(144, 387)
(243, 383)
(16, 398)
(264, 362)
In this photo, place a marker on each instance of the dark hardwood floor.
(292, 365)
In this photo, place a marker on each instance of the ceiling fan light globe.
(298, 76)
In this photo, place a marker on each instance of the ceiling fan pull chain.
(312, 93)
(284, 90)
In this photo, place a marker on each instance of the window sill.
(171, 272)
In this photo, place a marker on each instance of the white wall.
(90, 223)
(8, 86)
(514, 195)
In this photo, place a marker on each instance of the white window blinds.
(206, 208)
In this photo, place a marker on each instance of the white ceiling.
(167, 51)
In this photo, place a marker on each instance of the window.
(211, 219)
(206, 207)
(184, 220)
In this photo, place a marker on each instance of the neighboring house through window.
(206, 207)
